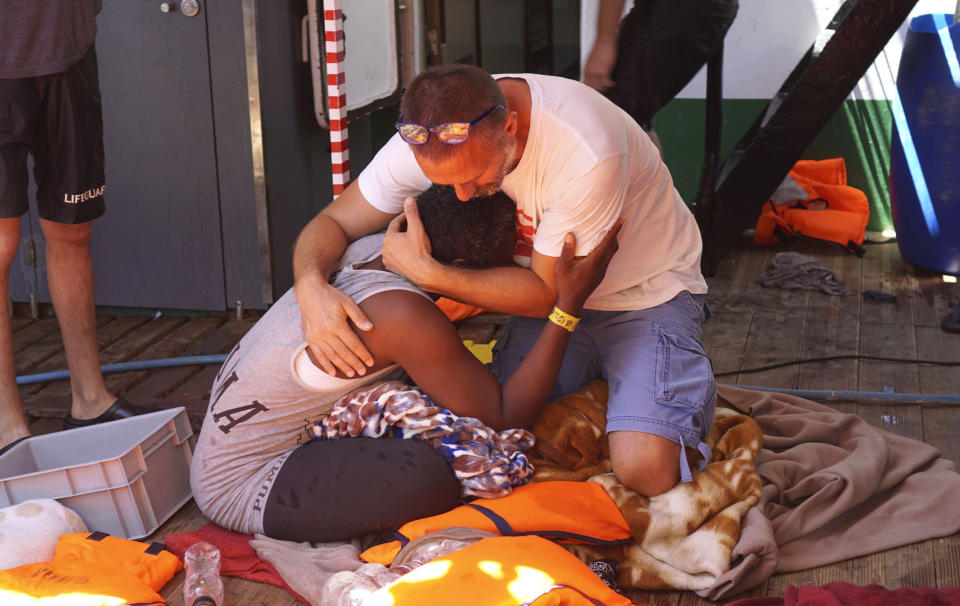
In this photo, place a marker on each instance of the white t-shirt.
(586, 163)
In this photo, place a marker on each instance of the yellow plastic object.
(482, 351)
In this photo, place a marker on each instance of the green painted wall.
(859, 132)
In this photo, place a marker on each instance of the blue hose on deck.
(819, 395)
(43, 377)
(864, 397)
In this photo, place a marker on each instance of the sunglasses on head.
(448, 132)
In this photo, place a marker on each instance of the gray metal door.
(159, 243)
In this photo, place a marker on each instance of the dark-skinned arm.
(412, 332)
(512, 290)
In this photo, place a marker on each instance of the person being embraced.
(573, 162)
(257, 468)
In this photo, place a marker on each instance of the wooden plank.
(33, 332)
(775, 336)
(865, 570)
(47, 354)
(894, 279)
(946, 559)
(901, 569)
(831, 323)
(934, 343)
(824, 337)
(743, 293)
(688, 598)
(893, 340)
(169, 346)
(725, 339)
(36, 355)
(157, 386)
(196, 388)
(131, 343)
(654, 598)
(722, 281)
(18, 322)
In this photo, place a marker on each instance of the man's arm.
(598, 67)
(411, 331)
(514, 290)
(326, 311)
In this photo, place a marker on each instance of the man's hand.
(578, 277)
(406, 247)
(325, 312)
(599, 65)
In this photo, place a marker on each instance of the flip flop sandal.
(121, 409)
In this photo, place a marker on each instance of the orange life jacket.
(502, 571)
(93, 569)
(573, 512)
(832, 211)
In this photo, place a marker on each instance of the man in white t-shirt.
(573, 162)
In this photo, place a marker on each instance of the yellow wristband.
(563, 320)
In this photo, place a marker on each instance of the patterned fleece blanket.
(684, 538)
(487, 463)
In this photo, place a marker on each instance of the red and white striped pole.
(336, 95)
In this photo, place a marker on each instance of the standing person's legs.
(70, 279)
(662, 393)
(69, 171)
(662, 45)
(18, 116)
(13, 425)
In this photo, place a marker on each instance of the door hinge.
(32, 253)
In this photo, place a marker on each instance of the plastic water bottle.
(202, 557)
(202, 586)
(203, 589)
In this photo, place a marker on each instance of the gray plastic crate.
(124, 478)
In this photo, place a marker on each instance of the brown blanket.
(832, 483)
(835, 488)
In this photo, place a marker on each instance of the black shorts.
(58, 119)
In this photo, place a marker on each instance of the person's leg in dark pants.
(334, 490)
(662, 44)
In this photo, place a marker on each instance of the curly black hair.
(481, 232)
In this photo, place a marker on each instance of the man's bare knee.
(644, 462)
(9, 241)
(67, 235)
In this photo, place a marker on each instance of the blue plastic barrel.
(925, 151)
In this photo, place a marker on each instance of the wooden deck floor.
(751, 327)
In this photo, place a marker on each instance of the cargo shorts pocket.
(685, 376)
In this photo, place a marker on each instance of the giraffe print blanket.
(682, 539)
